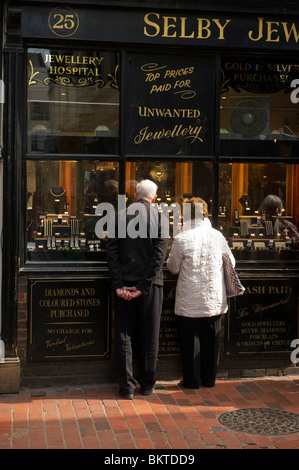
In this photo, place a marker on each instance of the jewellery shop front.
(202, 101)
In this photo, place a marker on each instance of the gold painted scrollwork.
(66, 81)
(113, 78)
(32, 75)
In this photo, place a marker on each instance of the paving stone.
(250, 413)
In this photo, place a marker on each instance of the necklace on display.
(54, 191)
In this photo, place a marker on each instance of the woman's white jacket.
(196, 255)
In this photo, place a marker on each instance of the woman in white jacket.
(196, 255)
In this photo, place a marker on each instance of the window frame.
(122, 158)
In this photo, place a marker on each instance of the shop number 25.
(63, 21)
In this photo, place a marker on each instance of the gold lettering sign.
(63, 21)
(257, 76)
(173, 113)
(274, 31)
(180, 27)
(73, 71)
(265, 319)
(165, 81)
(183, 27)
(68, 318)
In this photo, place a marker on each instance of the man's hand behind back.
(128, 293)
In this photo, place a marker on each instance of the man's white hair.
(146, 188)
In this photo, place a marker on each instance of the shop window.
(259, 210)
(259, 109)
(175, 181)
(62, 202)
(72, 101)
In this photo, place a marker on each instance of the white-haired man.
(135, 264)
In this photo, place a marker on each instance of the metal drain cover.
(266, 421)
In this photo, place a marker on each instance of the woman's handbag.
(232, 282)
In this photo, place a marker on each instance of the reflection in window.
(174, 179)
(259, 210)
(62, 197)
(73, 101)
(258, 104)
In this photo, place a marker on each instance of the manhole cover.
(265, 421)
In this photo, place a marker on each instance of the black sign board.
(263, 320)
(169, 335)
(68, 319)
(169, 27)
(170, 105)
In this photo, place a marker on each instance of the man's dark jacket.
(137, 261)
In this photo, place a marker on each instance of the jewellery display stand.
(255, 234)
(59, 231)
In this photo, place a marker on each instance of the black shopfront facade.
(202, 101)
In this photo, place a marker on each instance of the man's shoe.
(146, 392)
(127, 396)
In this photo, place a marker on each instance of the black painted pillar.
(13, 186)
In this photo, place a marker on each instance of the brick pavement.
(94, 417)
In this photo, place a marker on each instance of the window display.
(258, 205)
(62, 197)
(72, 101)
(259, 210)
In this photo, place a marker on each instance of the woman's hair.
(197, 200)
(271, 204)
